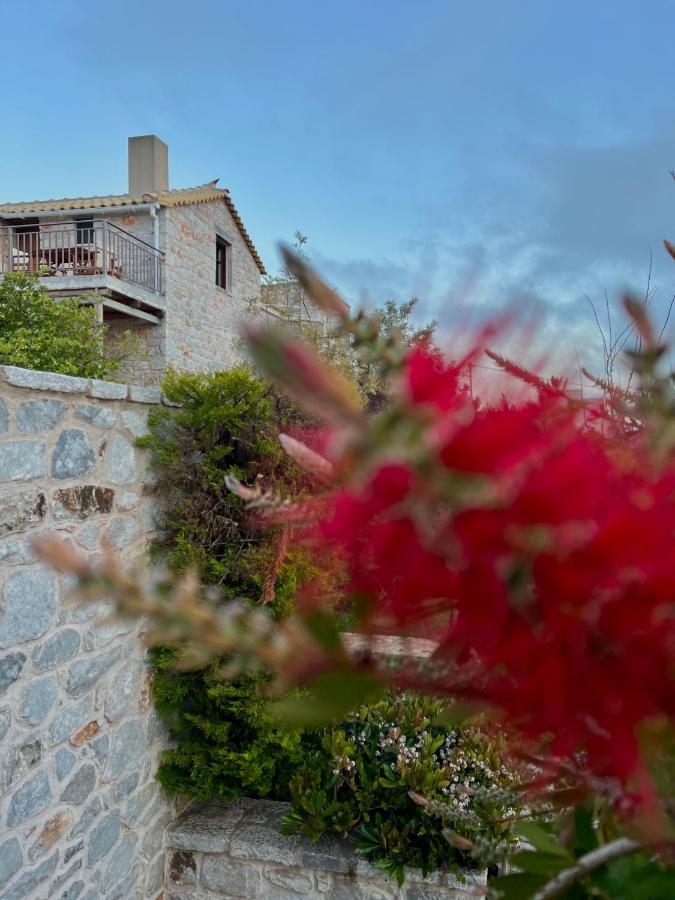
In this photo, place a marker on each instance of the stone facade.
(80, 813)
(236, 851)
(200, 328)
(202, 319)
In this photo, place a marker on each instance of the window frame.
(223, 263)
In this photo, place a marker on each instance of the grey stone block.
(121, 531)
(85, 821)
(128, 500)
(125, 888)
(123, 691)
(100, 747)
(72, 851)
(121, 861)
(98, 416)
(5, 721)
(120, 465)
(154, 877)
(39, 698)
(57, 883)
(137, 423)
(72, 454)
(80, 785)
(11, 667)
(140, 394)
(57, 649)
(206, 831)
(126, 787)
(292, 882)
(349, 889)
(234, 878)
(128, 750)
(103, 837)
(43, 381)
(258, 842)
(29, 881)
(16, 552)
(70, 720)
(73, 892)
(39, 415)
(31, 798)
(22, 460)
(29, 606)
(4, 418)
(83, 674)
(331, 854)
(64, 761)
(264, 812)
(107, 390)
(11, 859)
(18, 760)
(87, 536)
(19, 511)
(138, 804)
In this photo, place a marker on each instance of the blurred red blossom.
(523, 540)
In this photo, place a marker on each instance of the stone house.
(176, 266)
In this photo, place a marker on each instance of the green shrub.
(227, 744)
(359, 783)
(226, 741)
(37, 332)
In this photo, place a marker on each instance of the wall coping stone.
(36, 380)
(246, 832)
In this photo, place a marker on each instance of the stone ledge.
(36, 380)
(235, 850)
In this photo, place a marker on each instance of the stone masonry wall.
(80, 813)
(236, 851)
(199, 331)
(201, 318)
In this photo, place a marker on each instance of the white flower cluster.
(343, 764)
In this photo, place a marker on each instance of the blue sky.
(476, 154)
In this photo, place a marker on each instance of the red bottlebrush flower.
(430, 380)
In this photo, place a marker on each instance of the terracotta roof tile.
(176, 197)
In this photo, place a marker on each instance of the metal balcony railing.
(80, 248)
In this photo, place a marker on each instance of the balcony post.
(104, 247)
(10, 256)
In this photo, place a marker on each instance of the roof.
(176, 197)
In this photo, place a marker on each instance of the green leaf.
(543, 840)
(330, 697)
(537, 863)
(325, 628)
(519, 886)
(585, 838)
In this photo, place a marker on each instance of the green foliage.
(226, 424)
(359, 782)
(635, 876)
(227, 741)
(37, 332)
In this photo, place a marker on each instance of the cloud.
(563, 224)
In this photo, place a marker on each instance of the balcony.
(81, 258)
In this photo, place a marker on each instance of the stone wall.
(201, 318)
(200, 328)
(236, 851)
(80, 813)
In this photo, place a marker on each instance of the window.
(222, 263)
(85, 231)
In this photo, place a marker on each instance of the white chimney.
(148, 165)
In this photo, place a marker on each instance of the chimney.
(148, 165)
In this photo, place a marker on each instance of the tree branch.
(614, 850)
